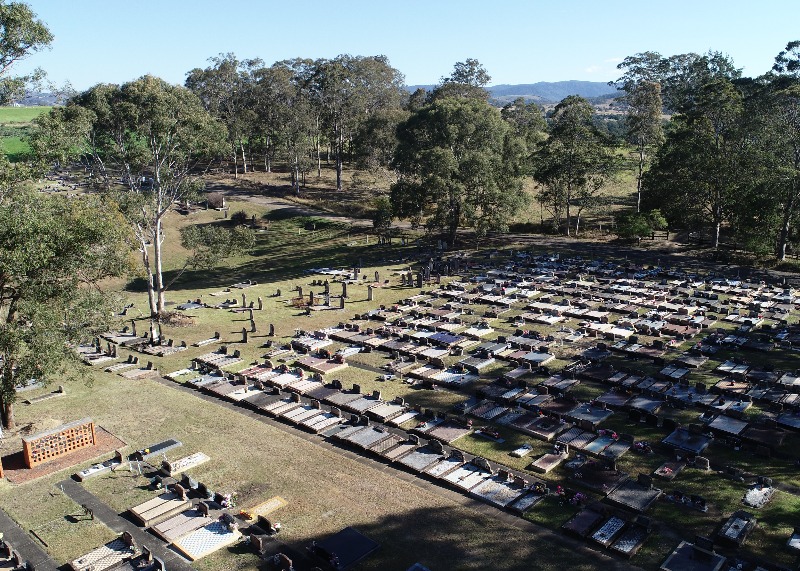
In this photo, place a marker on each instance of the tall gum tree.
(147, 143)
(573, 163)
(55, 253)
(459, 165)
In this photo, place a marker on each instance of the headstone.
(133, 327)
(341, 302)
(377, 276)
(252, 326)
(436, 446)
(370, 294)
(272, 330)
(299, 291)
(244, 300)
(260, 304)
(419, 280)
(483, 464)
(244, 335)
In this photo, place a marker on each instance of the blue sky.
(517, 41)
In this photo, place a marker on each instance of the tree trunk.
(339, 149)
(639, 181)
(244, 157)
(717, 227)
(7, 412)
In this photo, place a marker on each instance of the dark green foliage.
(56, 251)
(459, 165)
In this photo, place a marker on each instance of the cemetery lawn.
(327, 488)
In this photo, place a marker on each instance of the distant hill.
(544, 91)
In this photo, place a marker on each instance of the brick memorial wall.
(57, 442)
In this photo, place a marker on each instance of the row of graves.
(184, 514)
(424, 332)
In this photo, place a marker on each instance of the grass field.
(14, 125)
(16, 115)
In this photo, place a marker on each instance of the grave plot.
(148, 372)
(344, 549)
(614, 399)
(732, 387)
(588, 415)
(455, 460)
(260, 399)
(381, 447)
(423, 458)
(735, 530)
(668, 470)
(158, 509)
(386, 411)
(368, 437)
(322, 421)
(207, 379)
(182, 524)
(320, 392)
(522, 451)
(450, 430)
(547, 462)
(631, 539)
(262, 372)
(94, 355)
(634, 496)
(364, 404)
(790, 420)
(243, 390)
(453, 377)
(645, 403)
(403, 447)
(320, 365)
(124, 338)
(764, 436)
(219, 359)
(542, 427)
(342, 398)
(206, 540)
(305, 386)
(301, 413)
(276, 408)
(403, 418)
(499, 490)
(469, 475)
(286, 377)
(583, 523)
(758, 496)
(489, 410)
(608, 531)
(606, 446)
(536, 493)
(109, 556)
(557, 384)
(686, 440)
(182, 464)
(595, 475)
(727, 426)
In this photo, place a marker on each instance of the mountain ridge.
(543, 91)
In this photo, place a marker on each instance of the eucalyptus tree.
(56, 253)
(459, 165)
(21, 35)
(226, 90)
(350, 89)
(526, 120)
(573, 163)
(147, 143)
(782, 142)
(468, 79)
(643, 120)
(699, 174)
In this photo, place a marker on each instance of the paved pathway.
(22, 543)
(119, 524)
